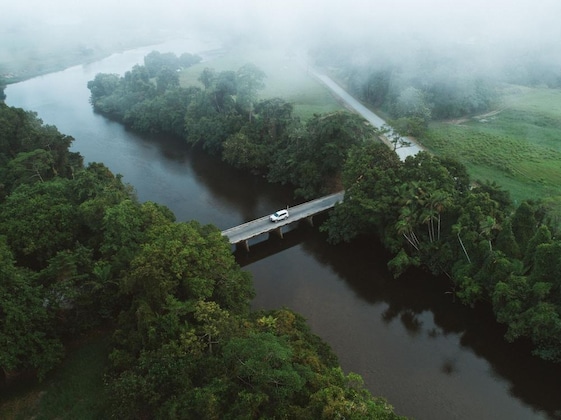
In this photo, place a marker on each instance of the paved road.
(263, 225)
(374, 119)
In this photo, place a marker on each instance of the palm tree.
(440, 200)
(457, 229)
(404, 226)
(427, 217)
(487, 226)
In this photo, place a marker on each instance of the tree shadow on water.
(362, 265)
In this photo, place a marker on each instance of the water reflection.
(535, 382)
(449, 367)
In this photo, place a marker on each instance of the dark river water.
(429, 356)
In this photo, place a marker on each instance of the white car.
(279, 215)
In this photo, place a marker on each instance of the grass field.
(286, 77)
(74, 391)
(518, 147)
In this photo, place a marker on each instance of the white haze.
(495, 28)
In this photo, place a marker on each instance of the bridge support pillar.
(244, 244)
(278, 232)
(310, 220)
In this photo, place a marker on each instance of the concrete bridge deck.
(242, 233)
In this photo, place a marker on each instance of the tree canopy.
(78, 252)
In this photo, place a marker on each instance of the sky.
(489, 16)
(484, 22)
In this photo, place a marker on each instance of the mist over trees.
(2, 87)
(413, 92)
(224, 117)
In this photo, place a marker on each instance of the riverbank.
(64, 47)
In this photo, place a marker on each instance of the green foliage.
(155, 62)
(266, 375)
(76, 389)
(524, 225)
(314, 161)
(2, 87)
(216, 367)
(31, 152)
(148, 98)
(26, 325)
(54, 291)
(411, 111)
(249, 82)
(542, 236)
(547, 266)
(368, 175)
(427, 215)
(401, 263)
(426, 88)
(38, 220)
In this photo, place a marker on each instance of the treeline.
(224, 117)
(419, 81)
(78, 252)
(428, 213)
(411, 87)
(412, 94)
(2, 88)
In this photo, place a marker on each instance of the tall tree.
(249, 82)
(524, 224)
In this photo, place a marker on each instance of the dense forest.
(80, 253)
(426, 210)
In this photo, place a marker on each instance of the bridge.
(240, 235)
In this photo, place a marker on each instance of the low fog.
(487, 35)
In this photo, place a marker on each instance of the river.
(429, 356)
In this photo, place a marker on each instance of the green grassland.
(518, 147)
(286, 77)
